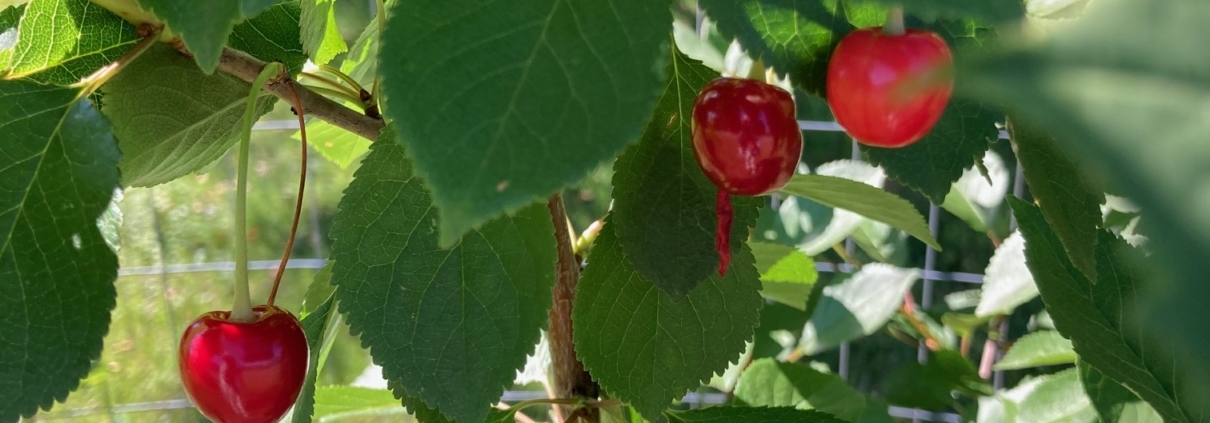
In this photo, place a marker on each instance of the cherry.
(746, 139)
(866, 84)
(244, 372)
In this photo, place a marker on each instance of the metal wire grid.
(929, 274)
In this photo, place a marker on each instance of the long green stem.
(242, 310)
(343, 77)
(330, 83)
(336, 94)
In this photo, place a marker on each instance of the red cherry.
(867, 68)
(746, 139)
(244, 372)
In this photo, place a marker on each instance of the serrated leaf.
(725, 414)
(505, 102)
(1069, 201)
(1056, 398)
(857, 306)
(864, 200)
(1101, 86)
(271, 36)
(202, 123)
(975, 198)
(349, 401)
(1094, 317)
(203, 26)
(62, 41)
(362, 61)
(929, 385)
(786, 274)
(10, 19)
(1007, 282)
(1042, 348)
(1112, 401)
(58, 167)
(794, 37)
(837, 224)
(110, 222)
(449, 326)
(334, 143)
(664, 205)
(931, 165)
(320, 36)
(780, 328)
(319, 291)
(647, 349)
(770, 383)
(314, 325)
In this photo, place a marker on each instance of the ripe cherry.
(866, 84)
(244, 372)
(746, 139)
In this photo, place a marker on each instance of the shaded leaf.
(1112, 401)
(995, 11)
(320, 36)
(271, 36)
(770, 383)
(647, 349)
(505, 102)
(349, 401)
(857, 306)
(203, 26)
(724, 414)
(58, 172)
(319, 291)
(928, 385)
(1007, 282)
(786, 274)
(314, 325)
(10, 18)
(202, 125)
(1042, 348)
(449, 326)
(1094, 316)
(973, 198)
(62, 41)
(864, 200)
(1057, 398)
(664, 205)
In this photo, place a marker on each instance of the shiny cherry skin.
(745, 136)
(864, 74)
(244, 372)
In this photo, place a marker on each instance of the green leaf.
(10, 19)
(931, 165)
(202, 125)
(786, 274)
(975, 198)
(450, 326)
(272, 35)
(62, 41)
(1042, 348)
(203, 26)
(320, 36)
(1113, 402)
(58, 164)
(664, 206)
(996, 11)
(1056, 398)
(1094, 317)
(362, 61)
(862, 199)
(332, 402)
(319, 291)
(505, 102)
(857, 306)
(315, 325)
(1134, 114)
(928, 385)
(646, 348)
(794, 37)
(816, 227)
(1069, 201)
(770, 383)
(337, 144)
(724, 414)
(110, 222)
(1007, 282)
(780, 328)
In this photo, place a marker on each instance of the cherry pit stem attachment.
(302, 186)
(894, 21)
(242, 310)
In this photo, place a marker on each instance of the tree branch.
(571, 381)
(245, 67)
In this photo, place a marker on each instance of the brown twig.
(245, 67)
(571, 381)
(908, 310)
(302, 187)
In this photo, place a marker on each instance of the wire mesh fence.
(929, 274)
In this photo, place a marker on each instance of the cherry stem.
(302, 186)
(894, 21)
(722, 234)
(242, 310)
